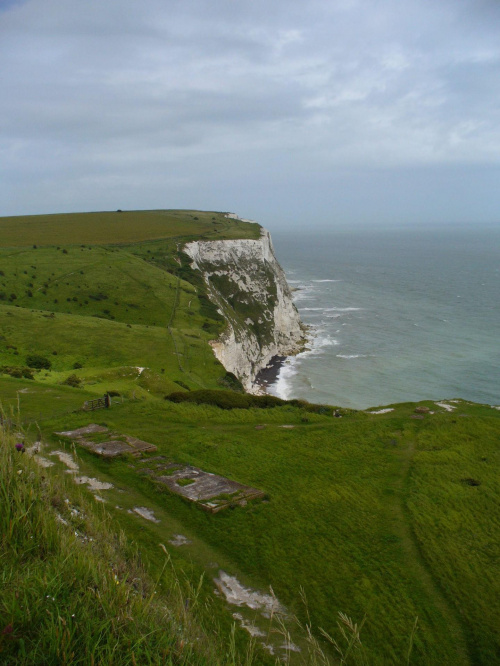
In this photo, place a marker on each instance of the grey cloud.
(167, 101)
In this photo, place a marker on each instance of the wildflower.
(8, 630)
(20, 447)
(19, 471)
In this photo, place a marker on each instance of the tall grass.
(72, 591)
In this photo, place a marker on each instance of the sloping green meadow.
(390, 519)
(373, 516)
(98, 311)
(119, 227)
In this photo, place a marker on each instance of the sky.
(297, 114)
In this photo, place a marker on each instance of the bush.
(231, 382)
(180, 383)
(77, 366)
(73, 381)
(226, 399)
(38, 362)
(233, 400)
(17, 373)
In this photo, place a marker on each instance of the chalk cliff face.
(249, 287)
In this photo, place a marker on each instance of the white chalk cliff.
(249, 287)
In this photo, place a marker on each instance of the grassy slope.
(345, 521)
(368, 514)
(109, 307)
(73, 589)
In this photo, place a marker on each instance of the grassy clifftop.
(120, 227)
(102, 294)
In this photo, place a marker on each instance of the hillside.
(112, 308)
(390, 517)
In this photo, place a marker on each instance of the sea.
(394, 315)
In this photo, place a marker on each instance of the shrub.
(234, 400)
(73, 381)
(222, 399)
(17, 372)
(77, 366)
(231, 382)
(14, 372)
(38, 362)
(180, 383)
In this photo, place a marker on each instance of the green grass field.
(355, 518)
(119, 227)
(111, 309)
(390, 519)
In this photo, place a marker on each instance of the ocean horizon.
(394, 315)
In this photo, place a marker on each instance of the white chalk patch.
(93, 484)
(139, 370)
(290, 647)
(238, 595)
(443, 405)
(251, 628)
(179, 540)
(67, 459)
(146, 513)
(34, 448)
(99, 499)
(382, 411)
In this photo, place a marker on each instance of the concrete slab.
(211, 492)
(91, 429)
(118, 445)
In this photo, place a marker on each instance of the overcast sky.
(291, 112)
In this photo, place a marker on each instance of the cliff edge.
(249, 287)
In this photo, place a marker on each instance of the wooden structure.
(98, 403)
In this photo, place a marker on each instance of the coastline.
(268, 376)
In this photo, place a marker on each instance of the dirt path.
(420, 568)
